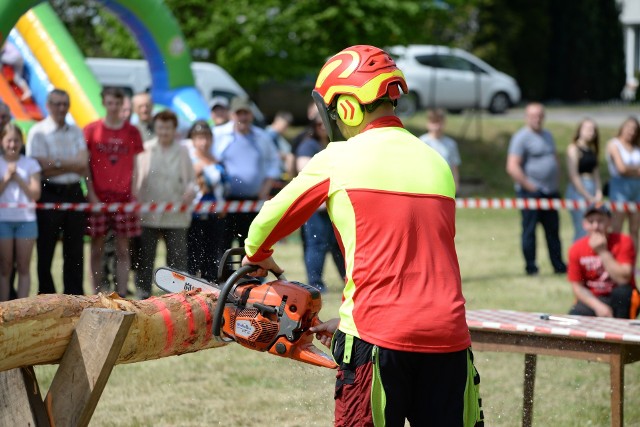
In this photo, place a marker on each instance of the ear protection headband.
(349, 110)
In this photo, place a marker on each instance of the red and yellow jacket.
(391, 200)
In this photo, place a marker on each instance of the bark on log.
(37, 330)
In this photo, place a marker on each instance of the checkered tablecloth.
(594, 328)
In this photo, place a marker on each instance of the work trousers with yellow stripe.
(379, 387)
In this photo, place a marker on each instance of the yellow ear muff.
(349, 110)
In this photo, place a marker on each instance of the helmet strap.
(378, 102)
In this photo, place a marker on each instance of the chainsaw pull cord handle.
(222, 299)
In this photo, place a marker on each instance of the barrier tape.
(255, 205)
(202, 207)
(540, 204)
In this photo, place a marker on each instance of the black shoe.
(561, 270)
(532, 272)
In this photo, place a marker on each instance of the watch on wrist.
(57, 164)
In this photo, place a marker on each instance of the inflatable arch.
(156, 31)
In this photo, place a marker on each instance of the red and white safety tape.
(540, 204)
(203, 207)
(255, 205)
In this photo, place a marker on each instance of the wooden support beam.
(86, 366)
(37, 330)
(20, 401)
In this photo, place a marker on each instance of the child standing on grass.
(20, 183)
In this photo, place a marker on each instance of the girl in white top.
(623, 158)
(20, 183)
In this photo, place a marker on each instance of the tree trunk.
(37, 330)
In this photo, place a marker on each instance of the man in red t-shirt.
(113, 145)
(601, 268)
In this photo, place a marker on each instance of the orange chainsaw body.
(272, 317)
(276, 317)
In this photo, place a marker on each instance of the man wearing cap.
(601, 267)
(219, 110)
(142, 105)
(252, 163)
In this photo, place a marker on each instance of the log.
(37, 330)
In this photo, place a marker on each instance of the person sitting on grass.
(601, 267)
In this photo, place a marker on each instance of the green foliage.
(280, 39)
(450, 23)
(96, 31)
(589, 66)
(258, 41)
(513, 37)
(568, 50)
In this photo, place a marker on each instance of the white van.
(132, 75)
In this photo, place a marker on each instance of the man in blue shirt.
(251, 161)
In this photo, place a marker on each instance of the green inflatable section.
(72, 55)
(157, 33)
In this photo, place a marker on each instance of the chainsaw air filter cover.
(252, 329)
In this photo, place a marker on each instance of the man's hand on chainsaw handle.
(324, 331)
(266, 265)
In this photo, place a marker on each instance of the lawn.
(233, 386)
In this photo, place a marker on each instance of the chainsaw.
(274, 317)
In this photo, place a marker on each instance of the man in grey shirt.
(532, 163)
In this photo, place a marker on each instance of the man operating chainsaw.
(401, 341)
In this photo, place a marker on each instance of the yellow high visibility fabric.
(381, 171)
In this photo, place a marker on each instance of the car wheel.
(499, 103)
(407, 105)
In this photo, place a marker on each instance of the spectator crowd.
(134, 155)
(129, 155)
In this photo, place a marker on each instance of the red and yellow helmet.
(363, 72)
(366, 72)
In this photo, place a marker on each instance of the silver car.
(450, 78)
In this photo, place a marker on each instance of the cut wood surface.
(37, 330)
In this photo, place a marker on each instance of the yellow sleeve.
(290, 208)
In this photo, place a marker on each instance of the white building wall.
(630, 18)
(630, 12)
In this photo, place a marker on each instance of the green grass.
(233, 386)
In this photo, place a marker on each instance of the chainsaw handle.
(279, 276)
(222, 299)
(238, 251)
(227, 259)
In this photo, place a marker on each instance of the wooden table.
(612, 341)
